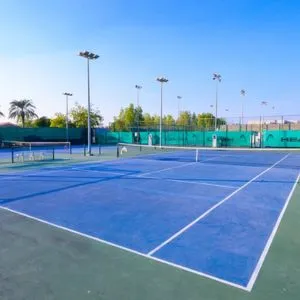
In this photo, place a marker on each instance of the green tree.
(194, 120)
(117, 125)
(128, 117)
(29, 123)
(184, 118)
(59, 121)
(22, 110)
(205, 120)
(79, 116)
(148, 121)
(41, 122)
(139, 118)
(168, 120)
(155, 119)
(221, 121)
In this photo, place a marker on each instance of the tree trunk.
(23, 120)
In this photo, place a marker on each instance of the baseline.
(125, 249)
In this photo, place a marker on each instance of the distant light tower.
(67, 114)
(89, 56)
(212, 114)
(138, 88)
(263, 103)
(243, 93)
(217, 77)
(162, 80)
(179, 98)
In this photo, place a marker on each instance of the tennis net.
(36, 151)
(164, 153)
(233, 156)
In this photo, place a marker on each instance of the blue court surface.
(216, 217)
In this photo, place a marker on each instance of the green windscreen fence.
(76, 135)
(272, 138)
(281, 138)
(179, 138)
(112, 138)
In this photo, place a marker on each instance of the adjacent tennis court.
(213, 213)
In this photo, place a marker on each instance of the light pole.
(217, 77)
(162, 80)
(243, 93)
(212, 114)
(179, 98)
(67, 114)
(89, 56)
(263, 103)
(138, 88)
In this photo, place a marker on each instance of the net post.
(84, 150)
(12, 155)
(52, 153)
(118, 151)
(99, 149)
(197, 153)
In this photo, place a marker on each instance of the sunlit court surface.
(214, 222)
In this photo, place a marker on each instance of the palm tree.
(22, 109)
(1, 114)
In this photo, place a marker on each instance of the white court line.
(50, 170)
(97, 163)
(176, 167)
(194, 182)
(96, 171)
(270, 240)
(174, 236)
(126, 249)
(203, 183)
(20, 175)
(166, 169)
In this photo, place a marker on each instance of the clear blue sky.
(253, 44)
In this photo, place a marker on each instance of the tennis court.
(209, 213)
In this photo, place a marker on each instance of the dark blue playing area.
(215, 217)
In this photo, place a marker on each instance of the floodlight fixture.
(162, 80)
(217, 77)
(89, 56)
(67, 113)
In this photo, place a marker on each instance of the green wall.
(76, 135)
(271, 138)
